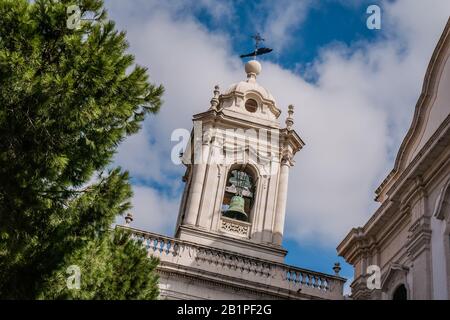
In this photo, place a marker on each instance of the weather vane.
(258, 51)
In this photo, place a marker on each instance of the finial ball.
(128, 218)
(253, 67)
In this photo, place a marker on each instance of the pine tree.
(68, 97)
(110, 267)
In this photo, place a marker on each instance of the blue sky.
(325, 23)
(354, 90)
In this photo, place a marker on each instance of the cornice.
(233, 119)
(292, 138)
(246, 243)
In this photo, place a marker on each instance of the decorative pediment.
(396, 274)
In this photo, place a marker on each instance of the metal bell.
(236, 209)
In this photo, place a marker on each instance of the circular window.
(251, 105)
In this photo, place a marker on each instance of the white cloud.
(283, 19)
(217, 9)
(152, 211)
(352, 119)
(189, 61)
(353, 122)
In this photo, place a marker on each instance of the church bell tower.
(237, 168)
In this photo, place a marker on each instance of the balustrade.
(267, 272)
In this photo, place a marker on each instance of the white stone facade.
(408, 236)
(215, 256)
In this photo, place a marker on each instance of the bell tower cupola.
(237, 169)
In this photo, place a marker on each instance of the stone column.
(280, 211)
(198, 179)
(418, 247)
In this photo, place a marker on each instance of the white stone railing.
(173, 251)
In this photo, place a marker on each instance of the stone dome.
(245, 86)
(252, 68)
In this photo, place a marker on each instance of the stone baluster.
(220, 259)
(166, 246)
(319, 282)
(260, 268)
(254, 267)
(296, 277)
(307, 280)
(304, 276)
(322, 283)
(233, 262)
(265, 269)
(226, 260)
(146, 243)
(241, 264)
(159, 244)
(154, 246)
(200, 256)
(314, 282)
(291, 276)
(310, 281)
(248, 265)
(327, 285)
(174, 249)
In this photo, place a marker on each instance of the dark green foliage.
(111, 267)
(67, 99)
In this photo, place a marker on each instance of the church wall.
(174, 288)
(439, 239)
(421, 274)
(427, 267)
(207, 208)
(439, 109)
(439, 254)
(393, 249)
(427, 276)
(439, 233)
(359, 269)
